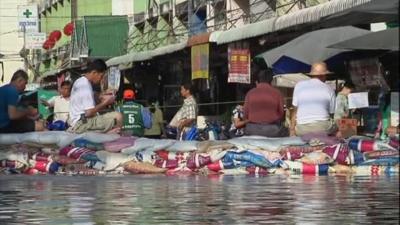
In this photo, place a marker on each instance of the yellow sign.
(200, 61)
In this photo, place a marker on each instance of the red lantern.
(55, 35)
(48, 44)
(69, 29)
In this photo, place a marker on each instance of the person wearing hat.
(132, 115)
(314, 103)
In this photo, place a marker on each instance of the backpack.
(147, 118)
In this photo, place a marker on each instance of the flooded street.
(199, 200)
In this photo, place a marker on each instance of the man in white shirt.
(313, 102)
(60, 103)
(83, 108)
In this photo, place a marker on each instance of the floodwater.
(158, 199)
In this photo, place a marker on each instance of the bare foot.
(116, 130)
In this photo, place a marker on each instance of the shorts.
(19, 126)
(266, 130)
(327, 126)
(101, 123)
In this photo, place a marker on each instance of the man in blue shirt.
(13, 120)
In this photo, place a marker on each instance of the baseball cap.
(129, 94)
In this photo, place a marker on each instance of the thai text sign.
(35, 40)
(200, 64)
(239, 65)
(28, 19)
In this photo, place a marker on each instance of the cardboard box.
(348, 127)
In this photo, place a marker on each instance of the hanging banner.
(239, 65)
(114, 77)
(200, 64)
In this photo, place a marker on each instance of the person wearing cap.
(132, 115)
(314, 103)
(83, 110)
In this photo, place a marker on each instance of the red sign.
(239, 65)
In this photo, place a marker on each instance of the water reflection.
(199, 200)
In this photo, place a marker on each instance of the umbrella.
(288, 80)
(297, 55)
(381, 40)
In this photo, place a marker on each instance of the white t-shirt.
(82, 99)
(61, 108)
(314, 100)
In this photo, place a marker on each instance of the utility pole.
(190, 15)
(24, 52)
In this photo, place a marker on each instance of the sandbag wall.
(63, 153)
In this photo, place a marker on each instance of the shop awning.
(246, 31)
(145, 55)
(381, 40)
(328, 14)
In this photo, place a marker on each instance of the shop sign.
(200, 61)
(239, 65)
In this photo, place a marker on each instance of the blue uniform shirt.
(8, 96)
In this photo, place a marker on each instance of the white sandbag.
(98, 137)
(60, 138)
(183, 146)
(112, 160)
(147, 144)
(9, 139)
(16, 156)
(270, 144)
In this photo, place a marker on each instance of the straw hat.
(319, 69)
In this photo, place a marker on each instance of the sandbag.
(142, 167)
(322, 137)
(60, 138)
(381, 154)
(9, 139)
(183, 146)
(146, 143)
(119, 144)
(316, 158)
(271, 144)
(296, 152)
(375, 170)
(113, 160)
(304, 168)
